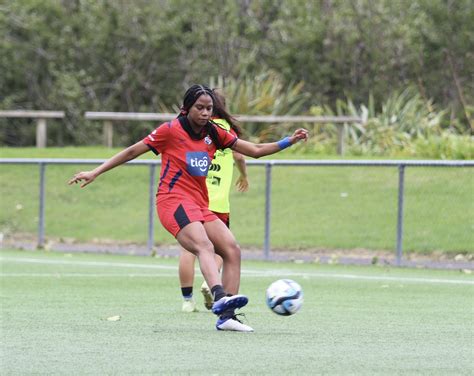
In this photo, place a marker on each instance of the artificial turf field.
(355, 320)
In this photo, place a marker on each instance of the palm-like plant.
(404, 117)
(264, 94)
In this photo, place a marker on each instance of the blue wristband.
(284, 143)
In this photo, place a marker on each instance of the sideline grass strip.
(337, 207)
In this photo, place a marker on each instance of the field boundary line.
(247, 272)
(84, 275)
(86, 263)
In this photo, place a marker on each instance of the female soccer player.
(187, 145)
(219, 181)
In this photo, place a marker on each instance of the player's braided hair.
(192, 95)
(218, 100)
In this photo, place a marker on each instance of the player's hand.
(242, 184)
(298, 135)
(85, 176)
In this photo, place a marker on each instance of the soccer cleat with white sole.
(189, 305)
(206, 293)
(229, 302)
(232, 324)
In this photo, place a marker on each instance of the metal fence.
(401, 165)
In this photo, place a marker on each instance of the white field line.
(85, 275)
(27, 260)
(250, 272)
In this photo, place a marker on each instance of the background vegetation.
(404, 66)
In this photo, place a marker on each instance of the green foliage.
(265, 94)
(405, 124)
(139, 55)
(445, 146)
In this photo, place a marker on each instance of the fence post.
(340, 139)
(151, 207)
(41, 206)
(41, 133)
(108, 133)
(401, 185)
(268, 208)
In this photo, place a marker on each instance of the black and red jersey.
(186, 157)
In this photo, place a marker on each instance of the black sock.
(217, 292)
(228, 313)
(187, 292)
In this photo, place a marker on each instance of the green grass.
(355, 320)
(312, 207)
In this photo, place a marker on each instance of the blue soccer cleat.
(229, 302)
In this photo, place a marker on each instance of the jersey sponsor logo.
(197, 163)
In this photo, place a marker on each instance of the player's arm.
(260, 150)
(122, 157)
(242, 183)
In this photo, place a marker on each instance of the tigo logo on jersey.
(197, 163)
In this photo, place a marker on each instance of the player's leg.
(226, 246)
(186, 279)
(183, 219)
(193, 237)
(224, 243)
(205, 290)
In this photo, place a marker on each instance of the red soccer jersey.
(186, 157)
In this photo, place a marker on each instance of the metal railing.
(400, 164)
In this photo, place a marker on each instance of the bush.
(405, 125)
(446, 146)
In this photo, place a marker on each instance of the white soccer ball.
(284, 297)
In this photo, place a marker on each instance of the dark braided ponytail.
(220, 111)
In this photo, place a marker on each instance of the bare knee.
(203, 247)
(231, 253)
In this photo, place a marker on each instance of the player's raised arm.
(260, 150)
(242, 182)
(125, 155)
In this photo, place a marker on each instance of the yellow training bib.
(219, 176)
